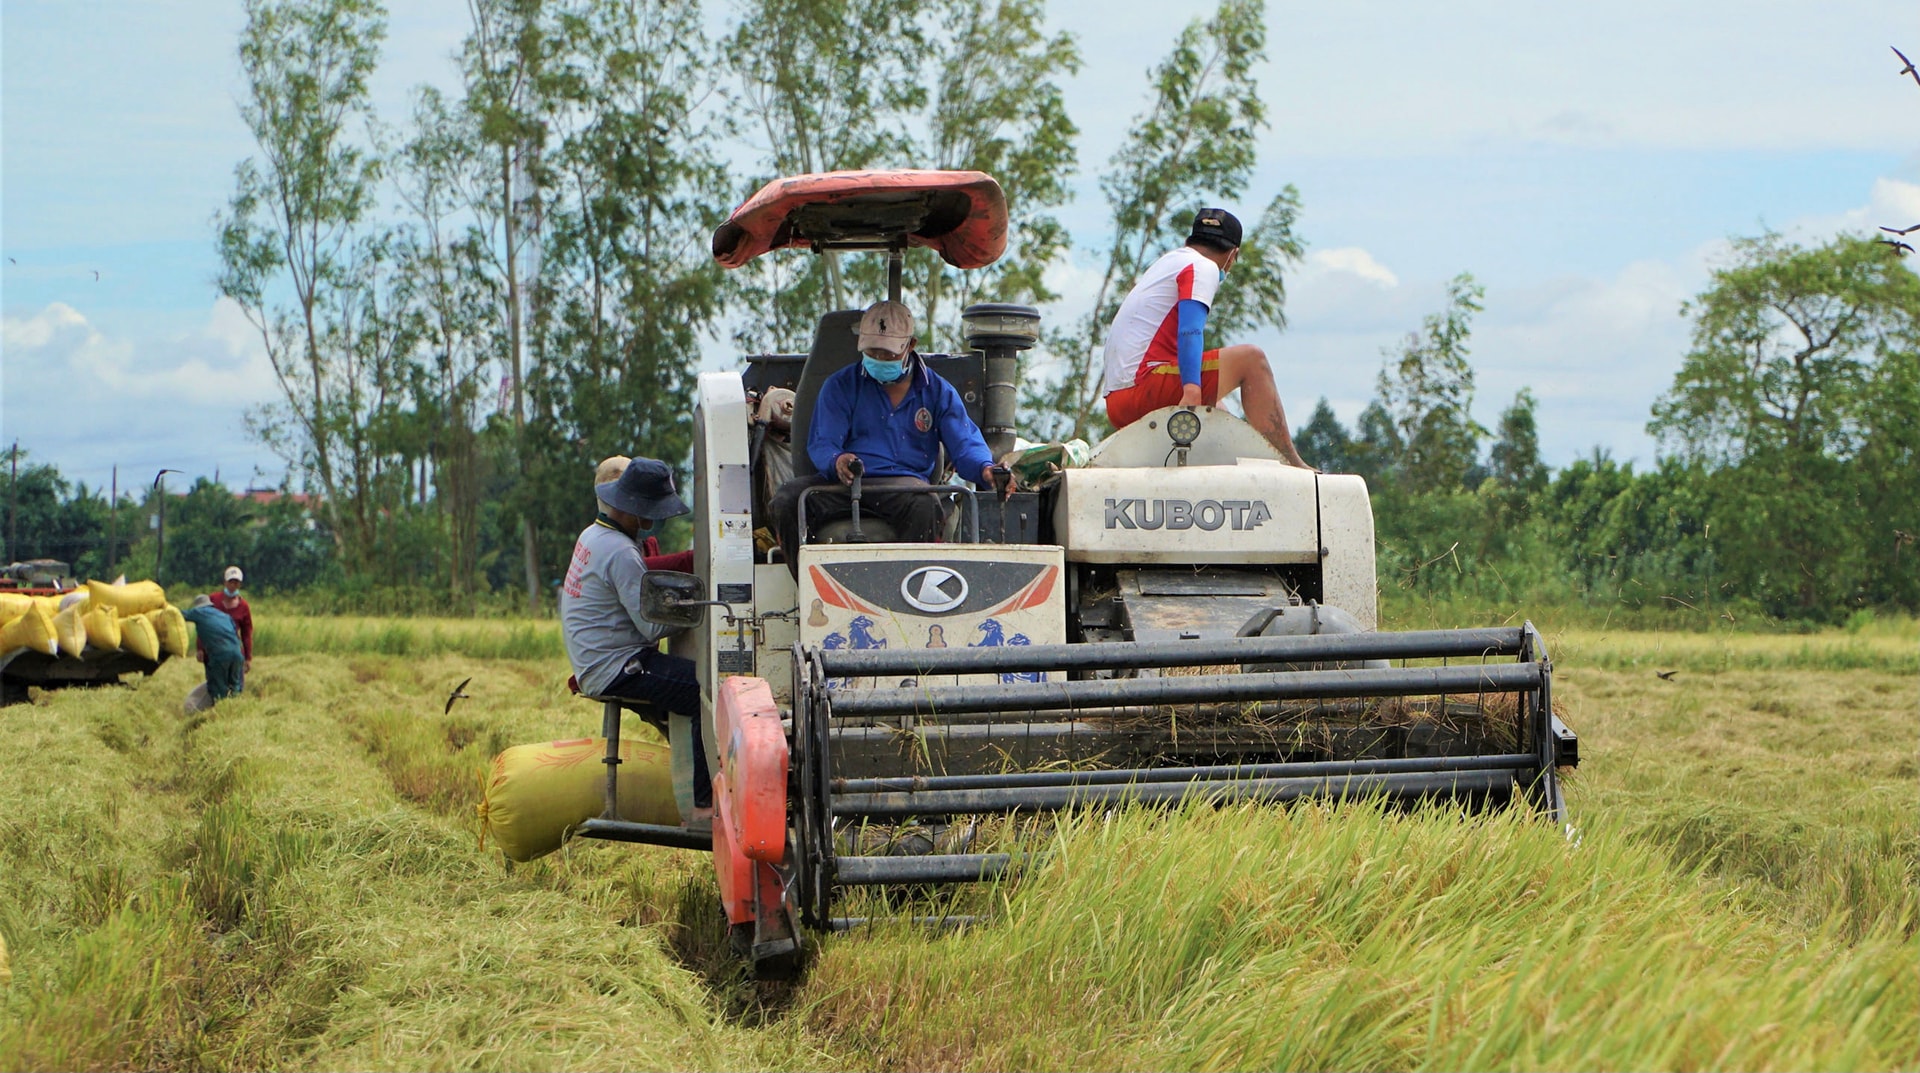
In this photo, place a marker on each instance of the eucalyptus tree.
(996, 106)
(1800, 392)
(287, 237)
(459, 299)
(1194, 144)
(1426, 387)
(635, 187)
(829, 85)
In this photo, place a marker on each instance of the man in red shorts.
(1153, 352)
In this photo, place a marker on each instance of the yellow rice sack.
(137, 637)
(13, 605)
(103, 628)
(537, 793)
(133, 598)
(32, 630)
(171, 627)
(70, 631)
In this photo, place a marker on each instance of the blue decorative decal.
(993, 636)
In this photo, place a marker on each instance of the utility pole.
(160, 543)
(13, 506)
(113, 523)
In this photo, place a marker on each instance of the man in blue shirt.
(226, 659)
(893, 415)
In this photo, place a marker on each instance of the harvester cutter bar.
(1321, 648)
(1399, 786)
(1092, 694)
(917, 784)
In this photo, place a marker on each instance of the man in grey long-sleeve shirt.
(612, 646)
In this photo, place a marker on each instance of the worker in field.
(228, 599)
(614, 649)
(1153, 353)
(892, 414)
(219, 642)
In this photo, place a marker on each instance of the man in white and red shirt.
(1154, 356)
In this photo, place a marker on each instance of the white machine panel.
(1255, 511)
(897, 596)
(1346, 527)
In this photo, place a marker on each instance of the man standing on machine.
(887, 416)
(1153, 351)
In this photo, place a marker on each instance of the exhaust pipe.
(1000, 332)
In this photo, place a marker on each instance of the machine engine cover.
(1253, 512)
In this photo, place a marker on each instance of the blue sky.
(1585, 162)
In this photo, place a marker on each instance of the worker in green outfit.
(226, 659)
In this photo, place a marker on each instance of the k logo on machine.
(934, 589)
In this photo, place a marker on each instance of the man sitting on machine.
(886, 417)
(612, 646)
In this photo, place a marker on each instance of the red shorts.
(1160, 386)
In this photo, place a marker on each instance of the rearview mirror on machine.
(673, 599)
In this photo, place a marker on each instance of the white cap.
(232, 574)
(886, 326)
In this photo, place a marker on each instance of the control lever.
(1002, 489)
(858, 469)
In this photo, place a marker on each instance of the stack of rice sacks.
(133, 617)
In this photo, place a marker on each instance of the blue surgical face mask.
(885, 372)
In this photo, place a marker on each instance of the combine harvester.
(1183, 617)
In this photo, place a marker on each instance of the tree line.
(467, 306)
(1788, 482)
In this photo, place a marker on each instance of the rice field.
(295, 880)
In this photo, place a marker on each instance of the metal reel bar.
(1108, 655)
(1197, 689)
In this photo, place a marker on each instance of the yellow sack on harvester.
(537, 793)
(133, 598)
(32, 630)
(13, 605)
(171, 627)
(70, 631)
(103, 628)
(137, 637)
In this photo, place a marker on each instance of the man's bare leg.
(1245, 367)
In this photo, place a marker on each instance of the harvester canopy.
(961, 215)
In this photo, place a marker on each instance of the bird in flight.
(1901, 230)
(1899, 247)
(1665, 676)
(459, 692)
(96, 275)
(1908, 69)
(11, 261)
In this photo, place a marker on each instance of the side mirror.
(673, 599)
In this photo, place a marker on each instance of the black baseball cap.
(1218, 226)
(644, 490)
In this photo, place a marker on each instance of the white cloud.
(1352, 260)
(85, 399)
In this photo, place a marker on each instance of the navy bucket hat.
(644, 490)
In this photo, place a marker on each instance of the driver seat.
(835, 346)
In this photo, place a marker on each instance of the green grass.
(294, 881)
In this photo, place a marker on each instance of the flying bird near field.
(1901, 230)
(459, 692)
(96, 275)
(1899, 247)
(1665, 676)
(1908, 69)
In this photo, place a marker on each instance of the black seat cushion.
(835, 346)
